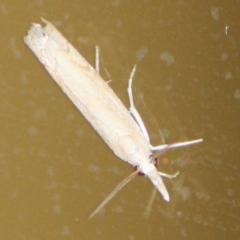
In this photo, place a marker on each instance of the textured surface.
(54, 169)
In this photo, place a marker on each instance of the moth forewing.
(88, 91)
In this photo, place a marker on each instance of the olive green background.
(54, 169)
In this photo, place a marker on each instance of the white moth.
(122, 130)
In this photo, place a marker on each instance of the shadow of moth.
(123, 130)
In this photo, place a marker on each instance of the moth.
(123, 130)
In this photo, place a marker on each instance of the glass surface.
(54, 169)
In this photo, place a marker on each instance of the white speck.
(167, 57)
(118, 209)
(215, 13)
(80, 132)
(131, 237)
(168, 88)
(116, 3)
(32, 131)
(226, 29)
(52, 185)
(70, 116)
(115, 170)
(165, 133)
(198, 219)
(224, 56)
(230, 192)
(141, 53)
(184, 232)
(56, 197)
(4, 10)
(57, 209)
(185, 193)
(17, 150)
(24, 80)
(119, 23)
(15, 49)
(228, 75)
(66, 231)
(203, 196)
(51, 172)
(237, 94)
(93, 168)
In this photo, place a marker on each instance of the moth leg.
(114, 192)
(97, 59)
(148, 207)
(169, 175)
(175, 145)
(140, 123)
(132, 108)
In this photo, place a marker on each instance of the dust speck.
(93, 168)
(32, 131)
(224, 56)
(66, 231)
(167, 57)
(141, 53)
(57, 209)
(237, 94)
(215, 13)
(228, 75)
